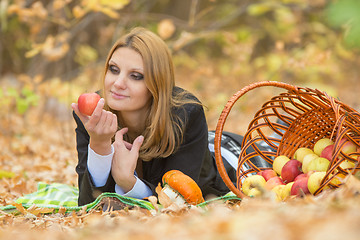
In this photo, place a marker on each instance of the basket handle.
(220, 127)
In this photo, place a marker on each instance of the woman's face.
(125, 87)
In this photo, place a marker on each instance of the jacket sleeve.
(87, 190)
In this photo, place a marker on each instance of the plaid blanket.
(57, 196)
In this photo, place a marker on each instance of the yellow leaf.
(115, 4)
(6, 174)
(109, 12)
(33, 52)
(166, 28)
(78, 12)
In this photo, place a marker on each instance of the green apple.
(318, 164)
(279, 162)
(314, 181)
(278, 191)
(347, 165)
(307, 159)
(253, 181)
(286, 191)
(254, 192)
(321, 144)
(300, 153)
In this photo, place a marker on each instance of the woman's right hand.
(101, 127)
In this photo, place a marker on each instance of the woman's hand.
(101, 127)
(125, 160)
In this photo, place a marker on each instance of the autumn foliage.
(52, 51)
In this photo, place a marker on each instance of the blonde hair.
(163, 131)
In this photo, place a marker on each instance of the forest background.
(52, 51)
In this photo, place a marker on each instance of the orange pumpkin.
(184, 185)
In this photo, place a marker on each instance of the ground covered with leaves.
(42, 148)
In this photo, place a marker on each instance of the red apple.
(300, 186)
(279, 162)
(301, 175)
(267, 174)
(321, 144)
(272, 182)
(87, 103)
(327, 152)
(290, 170)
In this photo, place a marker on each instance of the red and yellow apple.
(327, 152)
(300, 153)
(87, 103)
(291, 170)
(321, 144)
(300, 187)
(279, 162)
(272, 182)
(267, 174)
(253, 181)
(349, 147)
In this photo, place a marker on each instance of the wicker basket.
(309, 116)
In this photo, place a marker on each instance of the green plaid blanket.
(57, 195)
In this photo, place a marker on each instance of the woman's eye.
(114, 69)
(137, 76)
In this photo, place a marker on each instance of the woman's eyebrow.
(133, 69)
(112, 61)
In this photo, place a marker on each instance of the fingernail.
(141, 138)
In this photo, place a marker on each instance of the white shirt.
(99, 167)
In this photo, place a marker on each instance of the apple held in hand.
(87, 103)
(321, 144)
(291, 170)
(279, 162)
(253, 181)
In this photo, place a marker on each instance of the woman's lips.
(118, 96)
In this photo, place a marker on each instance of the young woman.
(143, 126)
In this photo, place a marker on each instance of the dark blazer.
(192, 158)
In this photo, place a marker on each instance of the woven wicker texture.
(308, 114)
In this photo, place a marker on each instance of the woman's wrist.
(126, 184)
(101, 147)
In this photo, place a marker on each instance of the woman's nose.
(120, 81)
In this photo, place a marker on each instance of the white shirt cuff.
(140, 190)
(99, 166)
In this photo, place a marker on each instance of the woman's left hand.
(125, 160)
